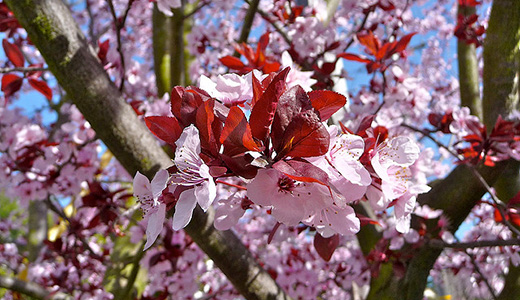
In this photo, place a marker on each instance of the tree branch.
(468, 70)
(30, 289)
(22, 69)
(476, 244)
(501, 61)
(52, 29)
(161, 50)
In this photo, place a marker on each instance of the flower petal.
(184, 209)
(142, 186)
(159, 182)
(155, 225)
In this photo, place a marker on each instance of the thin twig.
(477, 269)
(22, 69)
(62, 215)
(120, 25)
(476, 244)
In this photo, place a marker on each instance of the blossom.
(333, 219)
(149, 195)
(165, 6)
(390, 161)
(341, 162)
(231, 89)
(228, 212)
(192, 171)
(291, 201)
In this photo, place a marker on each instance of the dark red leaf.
(514, 201)
(184, 104)
(232, 62)
(291, 103)
(327, 103)
(305, 136)
(263, 41)
(366, 123)
(11, 84)
(236, 135)
(354, 57)
(325, 246)
(42, 87)
(103, 50)
(301, 170)
(165, 128)
(240, 165)
(262, 114)
(258, 90)
(204, 120)
(403, 42)
(14, 53)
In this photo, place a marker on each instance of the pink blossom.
(333, 219)
(390, 161)
(154, 209)
(291, 201)
(228, 212)
(192, 171)
(165, 6)
(231, 89)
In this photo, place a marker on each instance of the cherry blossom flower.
(291, 201)
(231, 89)
(390, 161)
(149, 195)
(192, 171)
(229, 212)
(346, 173)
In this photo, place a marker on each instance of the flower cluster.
(285, 155)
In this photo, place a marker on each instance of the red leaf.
(354, 57)
(327, 103)
(11, 84)
(366, 123)
(42, 87)
(165, 128)
(204, 120)
(403, 42)
(326, 246)
(236, 135)
(302, 171)
(13, 53)
(258, 90)
(103, 50)
(305, 136)
(514, 201)
(263, 41)
(240, 165)
(263, 112)
(184, 104)
(291, 103)
(232, 62)
(370, 41)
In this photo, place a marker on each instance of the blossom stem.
(233, 185)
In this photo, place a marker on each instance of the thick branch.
(74, 63)
(501, 60)
(30, 289)
(468, 71)
(161, 50)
